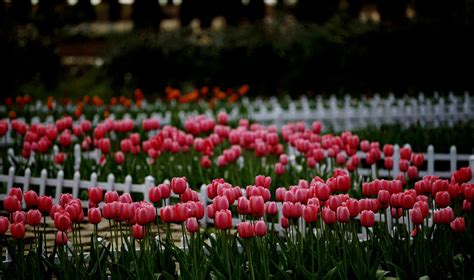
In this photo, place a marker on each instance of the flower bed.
(312, 214)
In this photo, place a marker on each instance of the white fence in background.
(341, 114)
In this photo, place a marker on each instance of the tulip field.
(231, 198)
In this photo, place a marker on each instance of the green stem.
(249, 255)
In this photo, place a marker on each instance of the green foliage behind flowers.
(420, 136)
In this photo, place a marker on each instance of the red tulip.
(245, 230)
(466, 205)
(17, 230)
(262, 181)
(257, 206)
(137, 231)
(353, 206)
(388, 150)
(31, 199)
(443, 216)
(403, 165)
(205, 162)
(104, 145)
(3, 225)
(154, 194)
(463, 175)
(61, 238)
(367, 218)
(62, 221)
(458, 225)
(260, 228)
(243, 206)
(416, 216)
(45, 203)
(65, 139)
(442, 199)
(94, 215)
(95, 194)
(34, 217)
(11, 203)
(271, 208)
(192, 225)
(323, 192)
(178, 184)
(310, 213)
(417, 160)
(329, 216)
(126, 145)
(384, 198)
(412, 172)
(388, 163)
(221, 202)
(405, 153)
(119, 157)
(223, 219)
(59, 158)
(111, 196)
(16, 192)
(343, 214)
(166, 214)
(165, 190)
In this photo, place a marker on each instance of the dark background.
(313, 47)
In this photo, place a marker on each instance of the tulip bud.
(367, 218)
(154, 194)
(223, 219)
(416, 216)
(192, 225)
(260, 228)
(94, 215)
(17, 230)
(458, 225)
(31, 199)
(3, 225)
(343, 214)
(34, 217)
(61, 238)
(137, 231)
(178, 184)
(11, 203)
(245, 230)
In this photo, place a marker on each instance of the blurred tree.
(316, 11)
(20, 11)
(445, 13)
(255, 10)
(85, 11)
(115, 10)
(355, 6)
(146, 14)
(2, 11)
(206, 10)
(232, 10)
(393, 11)
(187, 12)
(46, 17)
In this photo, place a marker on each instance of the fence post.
(77, 157)
(471, 164)
(94, 179)
(128, 183)
(26, 185)
(396, 160)
(42, 186)
(110, 182)
(203, 198)
(149, 183)
(430, 159)
(11, 179)
(453, 158)
(76, 183)
(59, 186)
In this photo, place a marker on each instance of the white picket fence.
(341, 114)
